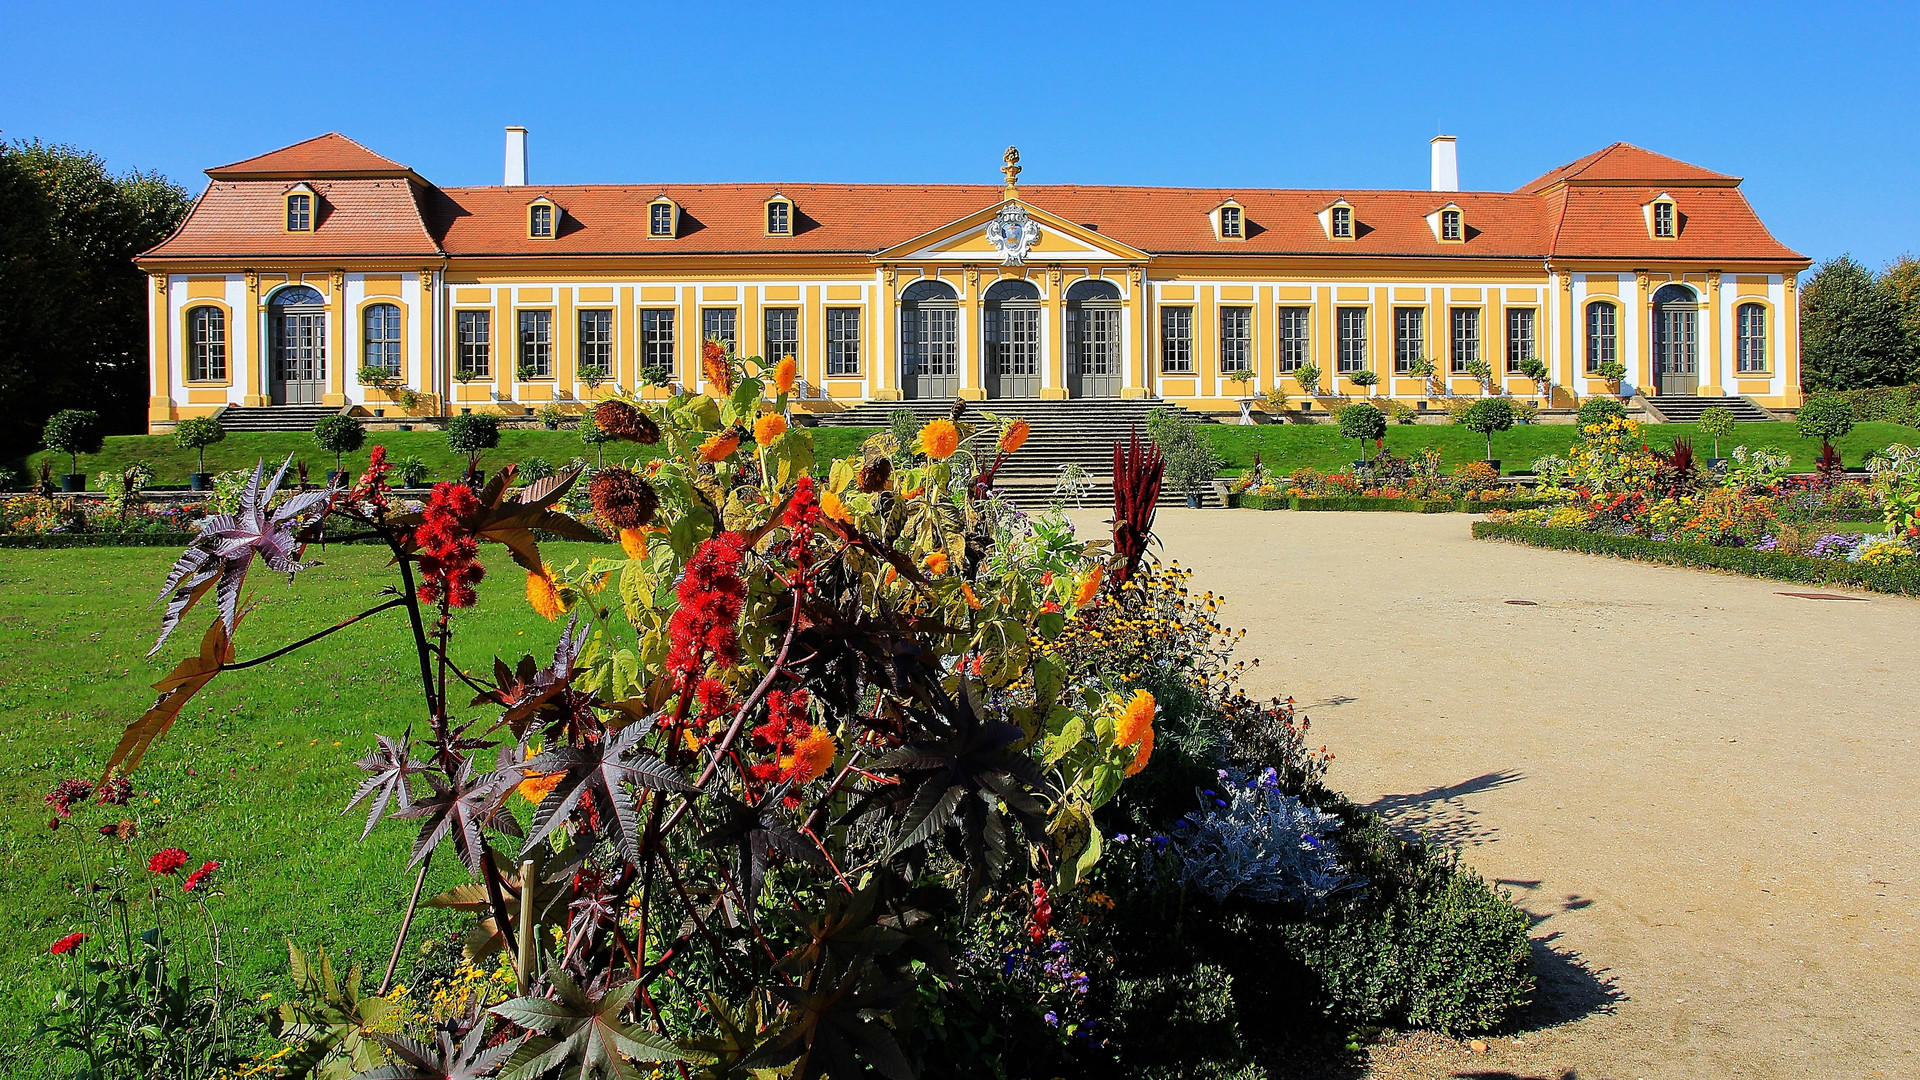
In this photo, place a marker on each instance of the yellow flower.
(1089, 588)
(1014, 437)
(785, 374)
(634, 543)
(939, 439)
(937, 562)
(1141, 755)
(812, 756)
(973, 601)
(832, 506)
(545, 595)
(720, 447)
(1136, 721)
(536, 786)
(768, 428)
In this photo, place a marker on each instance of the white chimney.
(1446, 164)
(517, 157)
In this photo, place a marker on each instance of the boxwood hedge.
(1772, 565)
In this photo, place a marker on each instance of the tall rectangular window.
(1353, 339)
(596, 341)
(1466, 339)
(780, 333)
(1230, 227)
(536, 345)
(1236, 340)
(779, 218)
(656, 340)
(843, 341)
(1450, 225)
(1295, 337)
(1520, 340)
(474, 331)
(299, 213)
(1342, 219)
(1409, 338)
(717, 324)
(380, 343)
(1603, 341)
(660, 221)
(1663, 220)
(207, 330)
(1752, 323)
(1176, 340)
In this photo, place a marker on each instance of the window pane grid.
(381, 345)
(542, 221)
(1520, 338)
(208, 328)
(656, 340)
(1602, 336)
(536, 344)
(1230, 221)
(1352, 340)
(662, 220)
(475, 332)
(596, 342)
(779, 219)
(843, 341)
(717, 324)
(782, 334)
(1753, 338)
(1409, 338)
(1294, 337)
(1236, 340)
(1466, 338)
(1342, 221)
(1176, 340)
(299, 213)
(1450, 225)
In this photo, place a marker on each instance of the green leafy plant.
(463, 374)
(1363, 377)
(73, 432)
(1488, 416)
(1191, 462)
(526, 373)
(655, 376)
(533, 469)
(1596, 411)
(1613, 373)
(1275, 400)
(1307, 377)
(330, 1022)
(379, 377)
(1361, 422)
(1717, 422)
(339, 435)
(1537, 372)
(196, 433)
(473, 434)
(1825, 417)
(1482, 373)
(551, 415)
(411, 471)
(593, 435)
(1401, 412)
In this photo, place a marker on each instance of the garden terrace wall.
(1771, 565)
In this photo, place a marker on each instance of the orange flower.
(939, 439)
(915, 493)
(812, 756)
(544, 594)
(785, 374)
(973, 601)
(937, 562)
(720, 447)
(536, 786)
(713, 365)
(1014, 437)
(1136, 721)
(1089, 588)
(1141, 755)
(832, 506)
(634, 543)
(768, 428)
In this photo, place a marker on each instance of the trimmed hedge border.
(1381, 503)
(1771, 565)
(44, 541)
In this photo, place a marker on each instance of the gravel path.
(1702, 790)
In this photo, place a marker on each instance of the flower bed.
(42, 541)
(1389, 503)
(1772, 565)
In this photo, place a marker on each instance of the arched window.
(1603, 335)
(1093, 339)
(929, 337)
(297, 296)
(1010, 336)
(382, 341)
(1752, 322)
(206, 344)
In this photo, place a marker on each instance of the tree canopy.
(1852, 333)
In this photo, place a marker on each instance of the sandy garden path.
(1706, 793)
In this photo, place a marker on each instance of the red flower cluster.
(115, 791)
(194, 879)
(449, 554)
(785, 729)
(167, 862)
(801, 517)
(65, 794)
(712, 596)
(67, 944)
(1042, 912)
(372, 488)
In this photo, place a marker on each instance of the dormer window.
(1450, 228)
(300, 209)
(779, 217)
(1665, 219)
(543, 220)
(1340, 223)
(663, 218)
(1232, 223)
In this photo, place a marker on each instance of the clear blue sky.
(1813, 103)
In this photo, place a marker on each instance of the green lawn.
(1285, 447)
(172, 464)
(254, 774)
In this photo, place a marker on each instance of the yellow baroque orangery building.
(324, 274)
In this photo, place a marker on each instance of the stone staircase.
(1676, 409)
(1081, 430)
(274, 417)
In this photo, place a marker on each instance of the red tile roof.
(332, 154)
(1589, 208)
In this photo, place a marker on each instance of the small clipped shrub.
(1191, 460)
(1487, 417)
(339, 435)
(1307, 376)
(1363, 377)
(73, 432)
(535, 468)
(1598, 410)
(551, 415)
(411, 471)
(1361, 421)
(1717, 423)
(197, 433)
(593, 435)
(1825, 417)
(473, 434)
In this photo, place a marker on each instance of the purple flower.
(1052, 1020)
(1120, 838)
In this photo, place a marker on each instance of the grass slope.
(254, 774)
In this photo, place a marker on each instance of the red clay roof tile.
(322, 155)
(356, 217)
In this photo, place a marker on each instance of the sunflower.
(713, 367)
(545, 595)
(812, 756)
(623, 499)
(937, 562)
(536, 786)
(720, 447)
(634, 543)
(768, 428)
(939, 439)
(1014, 437)
(1136, 720)
(785, 374)
(832, 506)
(1141, 754)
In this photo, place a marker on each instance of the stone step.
(1686, 409)
(274, 417)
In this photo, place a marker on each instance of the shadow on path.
(1438, 815)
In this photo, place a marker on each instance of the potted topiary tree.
(1365, 378)
(1716, 422)
(73, 432)
(339, 435)
(1614, 374)
(473, 434)
(593, 435)
(1361, 421)
(550, 416)
(1825, 417)
(196, 433)
(1535, 369)
(1487, 416)
(1482, 373)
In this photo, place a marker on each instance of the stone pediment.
(983, 237)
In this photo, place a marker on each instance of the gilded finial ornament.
(1011, 170)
